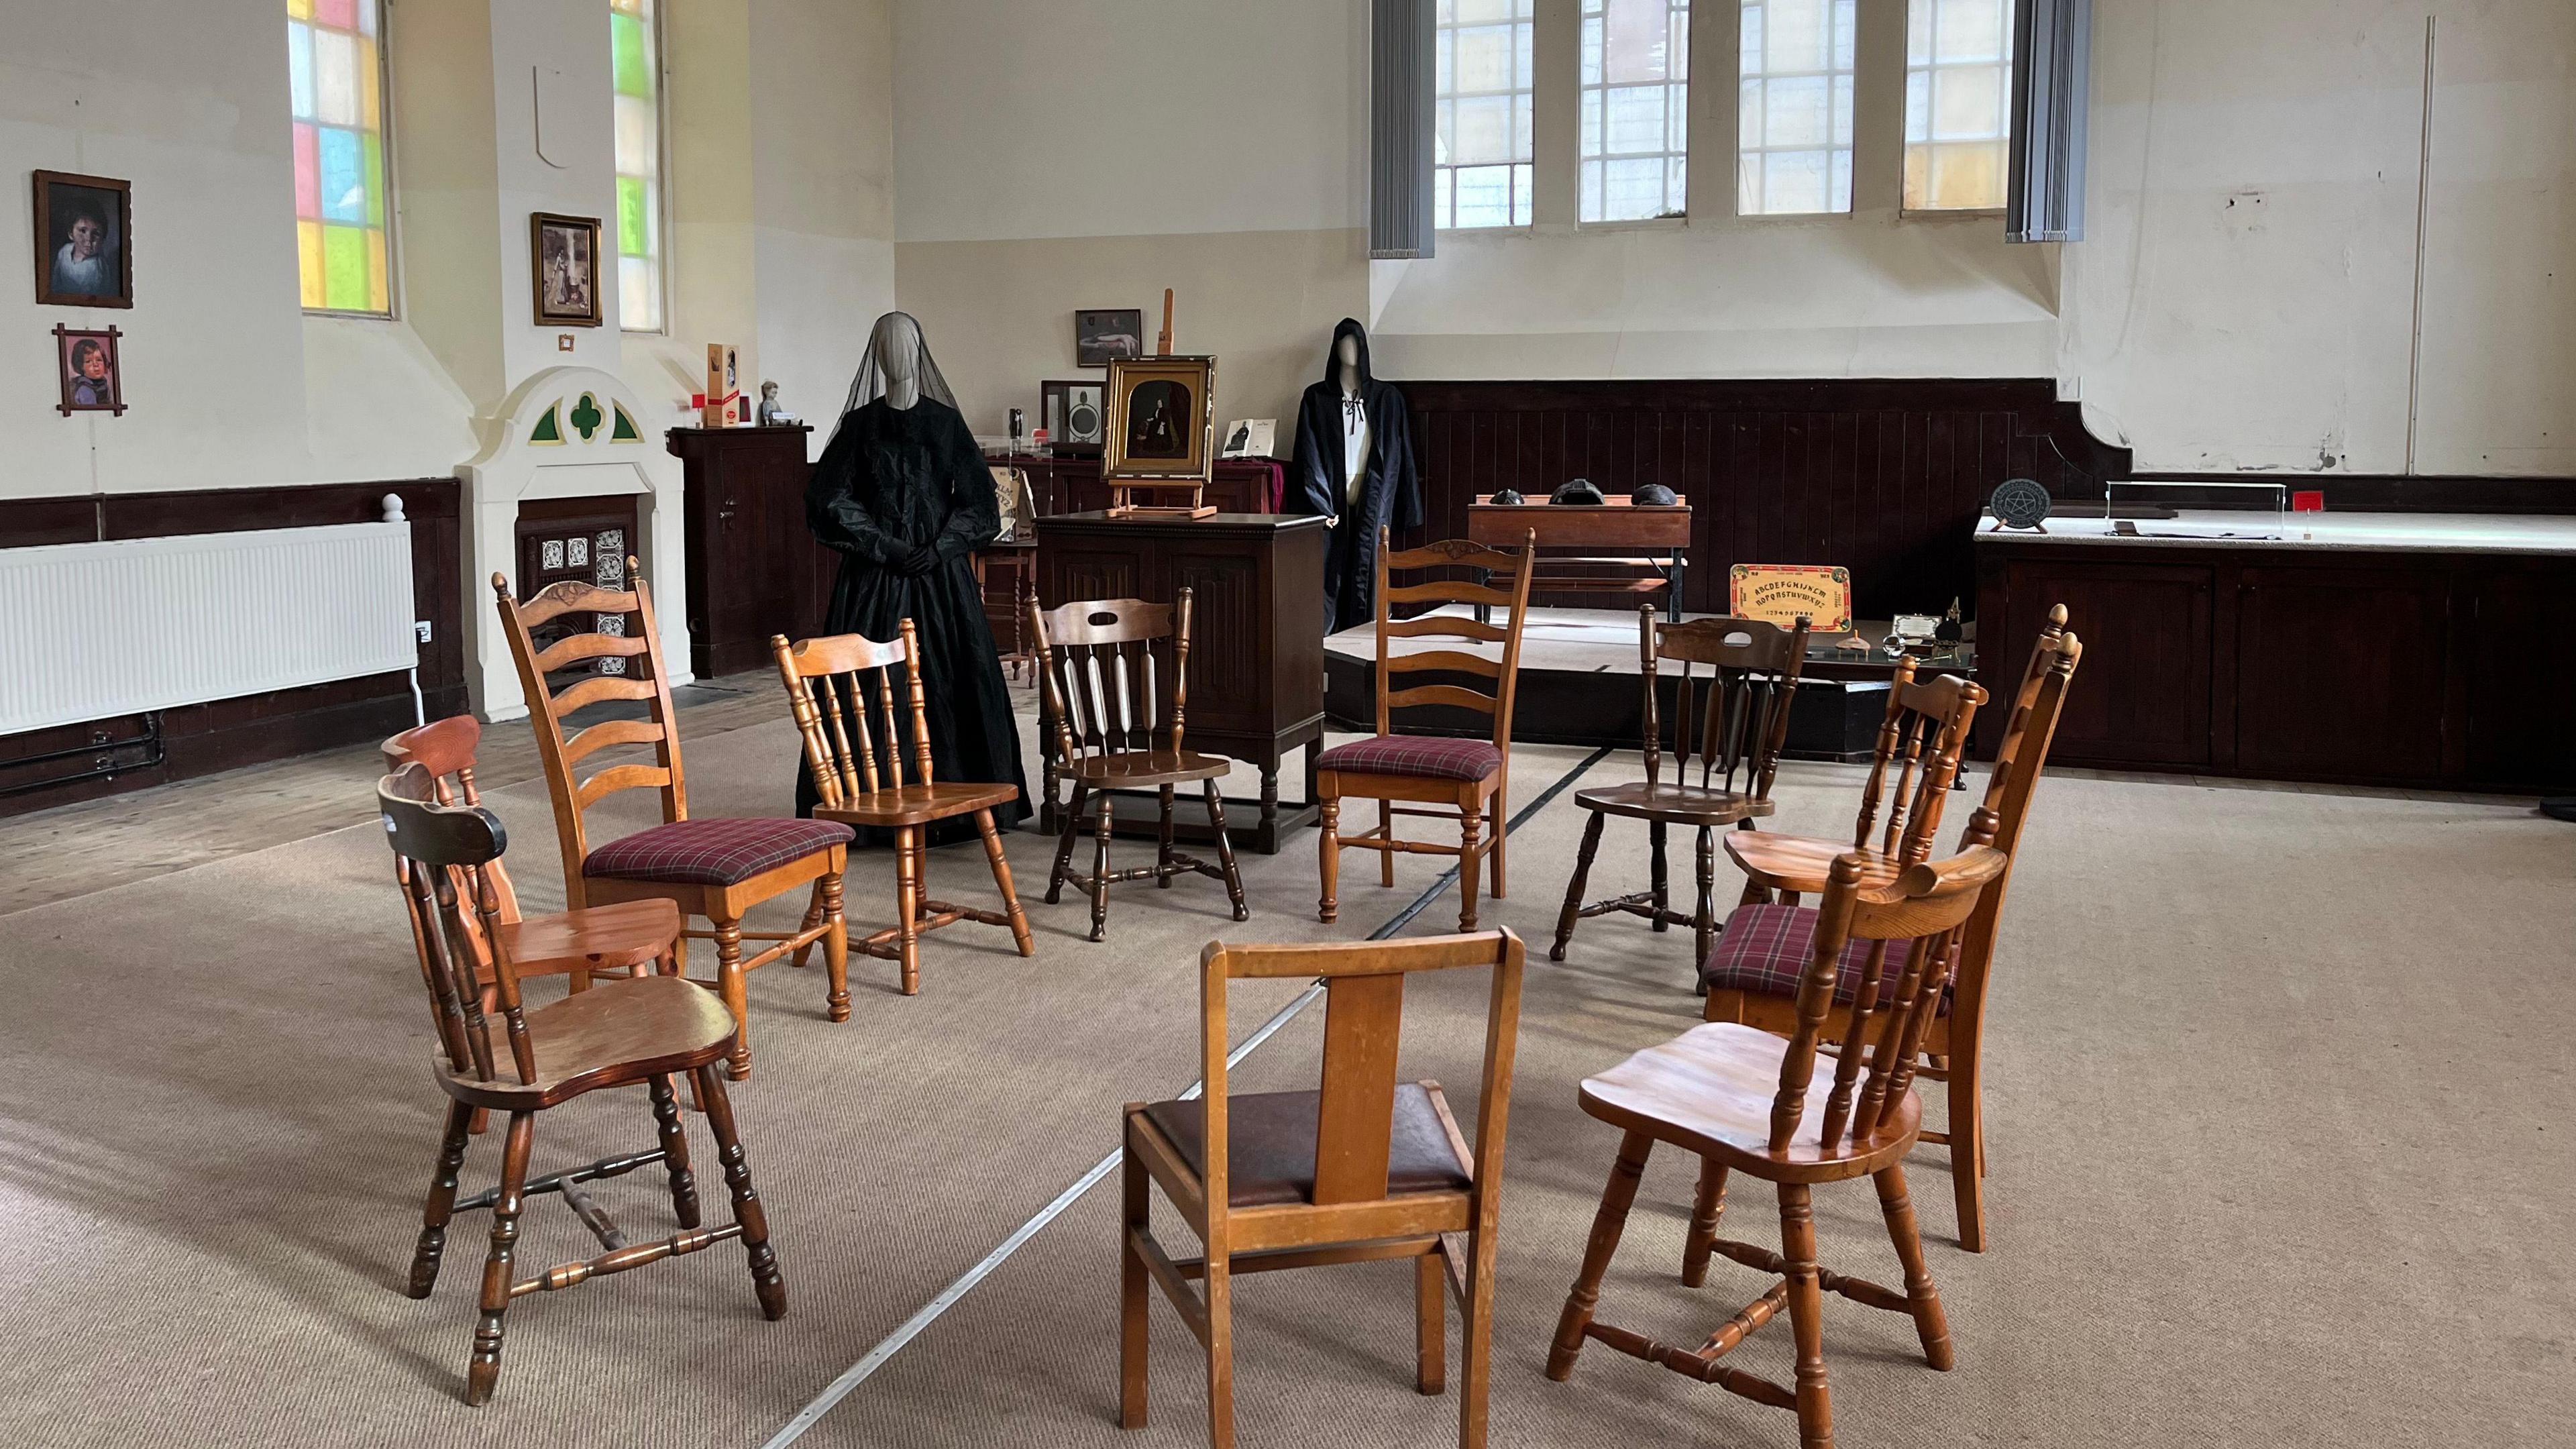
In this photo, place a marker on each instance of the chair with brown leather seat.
(1748, 1102)
(639, 1031)
(1360, 1169)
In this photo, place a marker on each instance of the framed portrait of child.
(86, 365)
(84, 241)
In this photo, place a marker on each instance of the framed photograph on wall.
(84, 241)
(85, 363)
(1102, 333)
(1161, 411)
(1071, 412)
(563, 263)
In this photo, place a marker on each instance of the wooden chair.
(1102, 663)
(716, 868)
(643, 1030)
(1747, 1101)
(1742, 720)
(1471, 777)
(1744, 977)
(826, 693)
(1360, 1170)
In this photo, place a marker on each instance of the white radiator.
(95, 630)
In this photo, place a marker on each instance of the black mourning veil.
(896, 335)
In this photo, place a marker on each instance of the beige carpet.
(2278, 1111)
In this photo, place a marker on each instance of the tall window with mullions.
(635, 51)
(335, 76)
(1481, 164)
(1636, 103)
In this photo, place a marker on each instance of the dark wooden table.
(1617, 534)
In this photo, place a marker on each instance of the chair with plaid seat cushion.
(712, 852)
(1469, 778)
(1764, 950)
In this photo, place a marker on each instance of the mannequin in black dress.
(905, 496)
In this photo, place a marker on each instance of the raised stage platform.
(1579, 686)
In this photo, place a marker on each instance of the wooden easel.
(1122, 491)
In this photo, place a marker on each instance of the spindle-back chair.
(833, 685)
(716, 868)
(1747, 1101)
(1470, 777)
(641, 1030)
(1735, 722)
(1360, 1169)
(1115, 676)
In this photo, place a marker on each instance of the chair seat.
(1148, 767)
(1800, 862)
(1710, 1091)
(1434, 757)
(1664, 800)
(1763, 950)
(915, 804)
(597, 938)
(1270, 1145)
(616, 1032)
(712, 852)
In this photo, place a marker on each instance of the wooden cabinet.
(2339, 671)
(1063, 484)
(754, 568)
(2519, 701)
(2152, 706)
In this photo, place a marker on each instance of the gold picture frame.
(1161, 419)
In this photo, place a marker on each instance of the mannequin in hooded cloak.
(1351, 416)
(904, 494)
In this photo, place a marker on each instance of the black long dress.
(1390, 488)
(905, 495)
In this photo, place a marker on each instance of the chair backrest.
(1926, 908)
(1925, 733)
(1737, 719)
(1115, 673)
(1363, 1017)
(446, 853)
(832, 685)
(445, 748)
(1999, 819)
(1453, 553)
(550, 710)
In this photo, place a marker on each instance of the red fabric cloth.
(1764, 951)
(1430, 756)
(712, 852)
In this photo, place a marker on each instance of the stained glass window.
(1636, 101)
(1794, 125)
(635, 55)
(1958, 103)
(1481, 170)
(335, 74)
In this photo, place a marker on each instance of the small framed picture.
(563, 253)
(1249, 438)
(85, 363)
(1104, 333)
(84, 241)
(1070, 411)
(1161, 410)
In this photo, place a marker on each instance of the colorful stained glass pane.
(299, 68)
(631, 57)
(299, 9)
(371, 102)
(366, 17)
(374, 178)
(308, 173)
(379, 276)
(632, 237)
(344, 268)
(344, 184)
(342, 13)
(638, 137)
(308, 260)
(335, 77)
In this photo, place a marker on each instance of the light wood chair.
(716, 868)
(1747, 982)
(1359, 1170)
(1747, 1101)
(1470, 777)
(829, 682)
(1102, 663)
(645, 1029)
(1737, 721)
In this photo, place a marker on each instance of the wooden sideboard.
(1064, 483)
(1256, 672)
(754, 568)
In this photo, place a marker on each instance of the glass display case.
(2198, 510)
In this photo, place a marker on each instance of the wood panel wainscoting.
(126, 753)
(1882, 476)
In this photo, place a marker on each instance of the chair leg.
(1064, 843)
(766, 1285)
(1328, 859)
(1707, 1205)
(1002, 881)
(1806, 1315)
(1100, 869)
(1968, 1149)
(441, 1206)
(836, 946)
(1607, 1225)
(1704, 916)
(737, 998)
(1470, 862)
(1567, 918)
(1220, 1351)
(907, 908)
(1921, 1299)
(1134, 1216)
(483, 1372)
(1476, 1346)
(1660, 879)
(1386, 832)
(1163, 840)
(1225, 853)
(675, 1151)
(813, 918)
(1430, 1324)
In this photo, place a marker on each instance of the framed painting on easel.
(1159, 435)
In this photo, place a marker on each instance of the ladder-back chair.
(833, 684)
(1750, 1102)
(1116, 678)
(1747, 980)
(1734, 722)
(1359, 1170)
(643, 1029)
(1471, 777)
(716, 868)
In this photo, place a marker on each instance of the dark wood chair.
(1736, 721)
(641, 1030)
(1470, 777)
(832, 685)
(1747, 1101)
(716, 868)
(1748, 980)
(1359, 1170)
(1116, 679)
